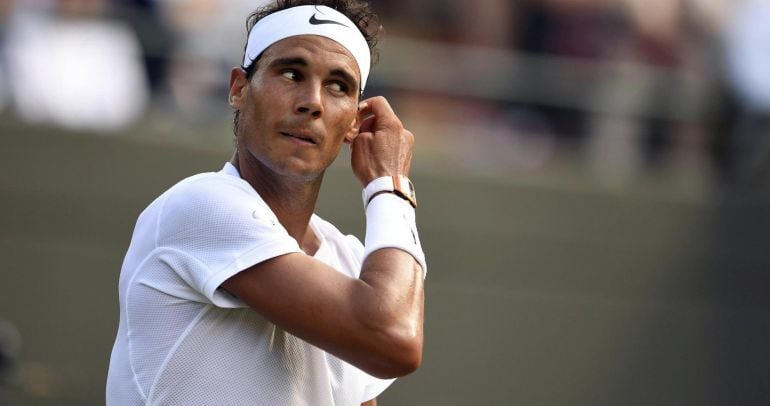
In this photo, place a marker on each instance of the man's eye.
(338, 87)
(290, 74)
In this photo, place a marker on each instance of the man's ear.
(354, 129)
(352, 133)
(238, 85)
(361, 123)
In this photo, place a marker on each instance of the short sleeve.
(375, 387)
(355, 246)
(224, 227)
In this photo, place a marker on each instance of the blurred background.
(593, 178)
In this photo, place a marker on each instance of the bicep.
(372, 402)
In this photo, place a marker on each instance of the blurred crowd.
(625, 83)
(101, 64)
(667, 82)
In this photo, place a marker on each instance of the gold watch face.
(405, 187)
(412, 193)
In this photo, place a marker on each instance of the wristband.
(399, 185)
(390, 223)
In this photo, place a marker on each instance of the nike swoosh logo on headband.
(316, 21)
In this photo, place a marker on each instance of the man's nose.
(309, 100)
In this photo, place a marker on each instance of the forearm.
(396, 298)
(390, 313)
(393, 268)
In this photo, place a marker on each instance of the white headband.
(309, 20)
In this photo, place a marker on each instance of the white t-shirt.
(183, 341)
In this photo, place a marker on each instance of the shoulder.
(211, 203)
(212, 194)
(209, 188)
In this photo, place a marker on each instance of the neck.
(292, 200)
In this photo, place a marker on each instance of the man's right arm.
(374, 322)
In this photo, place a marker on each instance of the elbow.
(408, 362)
(400, 357)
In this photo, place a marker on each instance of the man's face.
(298, 108)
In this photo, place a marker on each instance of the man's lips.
(301, 135)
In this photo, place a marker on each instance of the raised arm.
(374, 322)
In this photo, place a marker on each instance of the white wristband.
(390, 223)
(399, 184)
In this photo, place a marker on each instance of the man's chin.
(298, 169)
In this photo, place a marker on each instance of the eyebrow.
(289, 61)
(299, 61)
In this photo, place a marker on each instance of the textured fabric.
(183, 341)
(309, 20)
(390, 223)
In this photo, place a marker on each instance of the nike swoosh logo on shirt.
(316, 21)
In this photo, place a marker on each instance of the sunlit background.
(593, 178)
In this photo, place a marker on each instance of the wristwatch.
(399, 185)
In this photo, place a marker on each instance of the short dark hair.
(358, 11)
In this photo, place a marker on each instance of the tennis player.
(233, 292)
